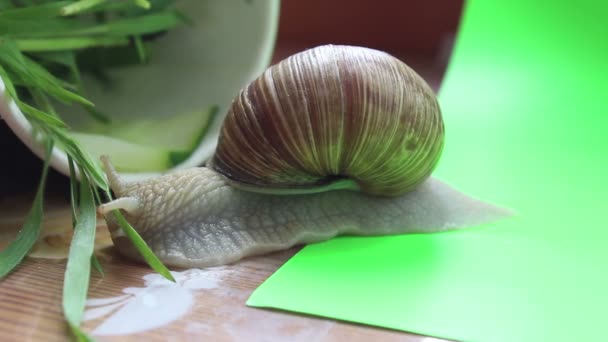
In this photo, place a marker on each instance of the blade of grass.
(38, 27)
(47, 10)
(155, 6)
(26, 72)
(97, 265)
(8, 83)
(91, 166)
(81, 157)
(74, 199)
(85, 6)
(40, 116)
(30, 74)
(42, 101)
(144, 24)
(101, 59)
(12, 255)
(97, 115)
(113, 6)
(97, 197)
(38, 77)
(34, 75)
(76, 43)
(80, 335)
(142, 247)
(78, 268)
(73, 189)
(94, 261)
(141, 49)
(79, 6)
(142, 3)
(72, 148)
(65, 58)
(68, 59)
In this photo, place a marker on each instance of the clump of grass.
(44, 46)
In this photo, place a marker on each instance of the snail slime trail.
(333, 140)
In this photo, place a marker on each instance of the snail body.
(195, 218)
(333, 140)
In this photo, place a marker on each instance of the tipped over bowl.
(165, 114)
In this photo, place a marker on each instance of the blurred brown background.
(418, 32)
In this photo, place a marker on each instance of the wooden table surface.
(30, 297)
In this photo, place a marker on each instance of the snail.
(334, 140)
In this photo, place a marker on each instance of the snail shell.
(330, 114)
(294, 143)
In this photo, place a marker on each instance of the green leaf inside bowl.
(148, 145)
(126, 156)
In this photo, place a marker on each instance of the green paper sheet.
(525, 102)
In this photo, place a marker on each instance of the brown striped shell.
(329, 114)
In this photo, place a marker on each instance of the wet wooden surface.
(30, 300)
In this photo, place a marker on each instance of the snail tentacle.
(129, 204)
(114, 180)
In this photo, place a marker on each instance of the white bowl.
(191, 68)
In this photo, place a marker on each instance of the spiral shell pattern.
(329, 113)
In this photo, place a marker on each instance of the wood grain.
(30, 301)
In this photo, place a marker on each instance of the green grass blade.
(34, 75)
(97, 265)
(94, 260)
(40, 116)
(97, 197)
(78, 268)
(141, 49)
(80, 335)
(68, 59)
(8, 83)
(130, 9)
(142, 247)
(70, 43)
(42, 101)
(97, 115)
(65, 58)
(12, 255)
(123, 7)
(145, 4)
(38, 27)
(73, 190)
(82, 158)
(75, 75)
(147, 22)
(92, 167)
(144, 24)
(40, 78)
(80, 6)
(73, 200)
(48, 10)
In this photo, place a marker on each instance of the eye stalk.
(129, 204)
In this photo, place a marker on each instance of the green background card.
(525, 102)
